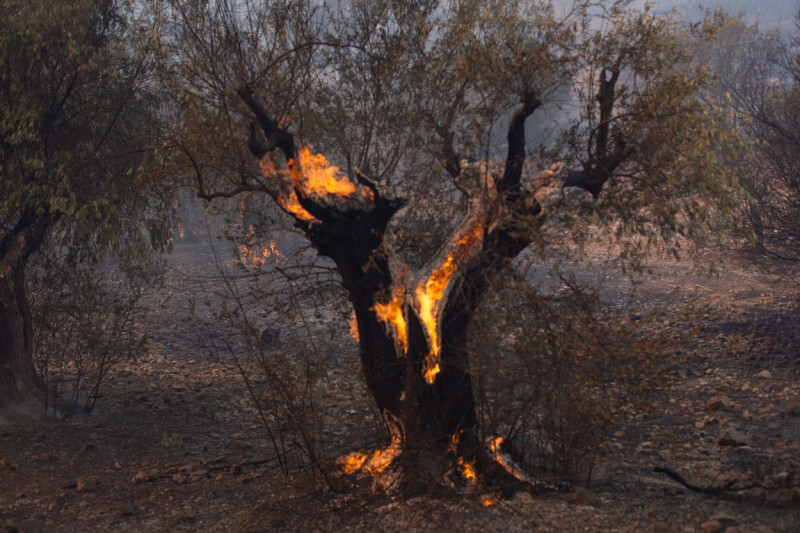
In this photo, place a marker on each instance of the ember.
(258, 255)
(494, 447)
(354, 328)
(467, 469)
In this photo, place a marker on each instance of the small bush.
(85, 325)
(553, 367)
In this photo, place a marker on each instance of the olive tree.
(430, 108)
(75, 122)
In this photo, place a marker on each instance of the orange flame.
(320, 177)
(309, 173)
(354, 328)
(287, 197)
(373, 463)
(467, 469)
(312, 174)
(487, 502)
(265, 250)
(430, 293)
(494, 447)
(392, 313)
(292, 204)
(454, 440)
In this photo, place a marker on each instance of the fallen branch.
(723, 489)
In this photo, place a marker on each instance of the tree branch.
(275, 136)
(515, 159)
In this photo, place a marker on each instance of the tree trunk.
(413, 352)
(20, 387)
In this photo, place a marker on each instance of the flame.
(373, 463)
(487, 502)
(467, 469)
(310, 174)
(287, 197)
(454, 440)
(292, 204)
(494, 447)
(265, 250)
(320, 177)
(392, 313)
(354, 328)
(430, 293)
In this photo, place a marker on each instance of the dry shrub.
(554, 367)
(85, 325)
(279, 317)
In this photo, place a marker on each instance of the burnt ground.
(175, 444)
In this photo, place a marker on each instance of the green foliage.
(77, 124)
(387, 88)
(757, 85)
(402, 91)
(678, 180)
(74, 126)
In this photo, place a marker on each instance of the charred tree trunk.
(20, 386)
(413, 327)
(21, 390)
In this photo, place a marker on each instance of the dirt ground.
(174, 444)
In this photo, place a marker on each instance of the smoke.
(23, 412)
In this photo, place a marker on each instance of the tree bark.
(20, 387)
(420, 377)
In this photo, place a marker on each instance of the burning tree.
(408, 93)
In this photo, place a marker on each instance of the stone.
(582, 496)
(58, 504)
(83, 484)
(711, 526)
(783, 478)
(764, 374)
(722, 403)
(732, 437)
(87, 447)
(142, 476)
(724, 520)
(660, 527)
(791, 409)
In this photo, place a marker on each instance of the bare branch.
(515, 159)
(276, 136)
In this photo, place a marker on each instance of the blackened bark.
(436, 418)
(355, 243)
(20, 386)
(19, 383)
